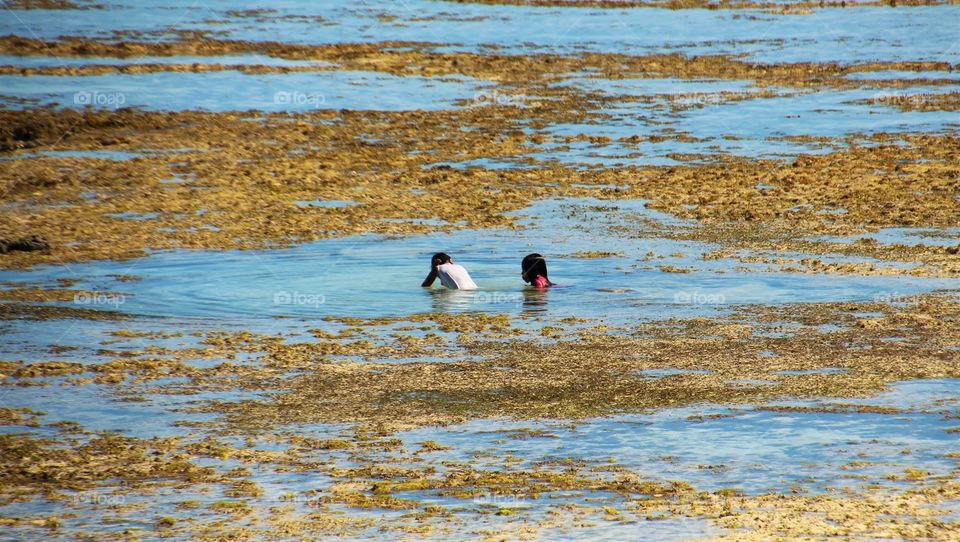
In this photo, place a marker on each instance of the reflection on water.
(535, 299)
(447, 300)
(525, 298)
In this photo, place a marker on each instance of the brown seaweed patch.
(137, 68)
(244, 190)
(40, 465)
(50, 4)
(595, 374)
(596, 254)
(908, 516)
(19, 416)
(24, 311)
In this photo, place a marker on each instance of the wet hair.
(440, 258)
(533, 265)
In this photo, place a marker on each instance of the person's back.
(455, 276)
(451, 275)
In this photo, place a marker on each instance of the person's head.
(440, 258)
(532, 266)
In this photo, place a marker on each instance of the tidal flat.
(216, 218)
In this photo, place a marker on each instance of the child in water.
(534, 268)
(451, 275)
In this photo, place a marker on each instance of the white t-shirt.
(455, 276)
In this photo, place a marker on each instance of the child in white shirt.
(451, 275)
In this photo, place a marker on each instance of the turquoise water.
(372, 275)
(755, 451)
(233, 90)
(101, 154)
(758, 123)
(753, 127)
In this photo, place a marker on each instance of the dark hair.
(533, 265)
(439, 258)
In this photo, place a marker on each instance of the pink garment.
(541, 281)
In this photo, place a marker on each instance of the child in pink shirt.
(534, 268)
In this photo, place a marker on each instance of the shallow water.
(233, 90)
(712, 447)
(900, 74)
(373, 276)
(754, 127)
(754, 451)
(906, 236)
(824, 35)
(102, 154)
